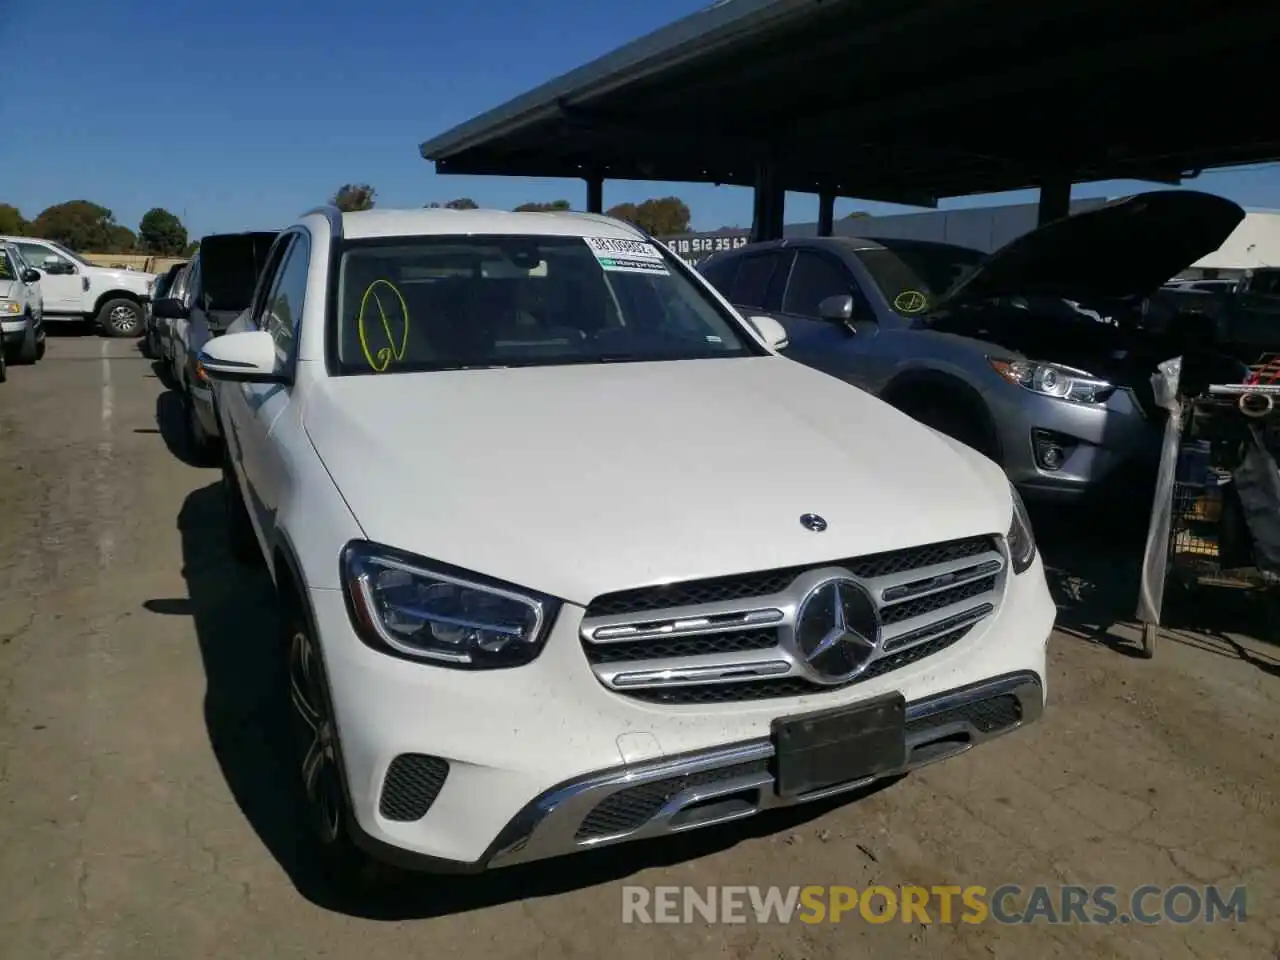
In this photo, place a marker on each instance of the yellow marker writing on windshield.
(910, 301)
(380, 360)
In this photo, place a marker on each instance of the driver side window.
(44, 258)
(814, 278)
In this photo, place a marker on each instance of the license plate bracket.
(817, 750)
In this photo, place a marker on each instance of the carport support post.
(767, 212)
(595, 194)
(1055, 199)
(826, 213)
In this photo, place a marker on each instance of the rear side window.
(751, 287)
(721, 273)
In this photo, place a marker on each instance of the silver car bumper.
(729, 783)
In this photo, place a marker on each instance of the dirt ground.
(144, 811)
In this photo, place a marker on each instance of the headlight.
(9, 308)
(1022, 542)
(1054, 380)
(417, 608)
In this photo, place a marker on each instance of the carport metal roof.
(901, 101)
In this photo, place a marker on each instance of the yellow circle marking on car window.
(380, 360)
(910, 301)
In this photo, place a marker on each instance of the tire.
(315, 760)
(244, 543)
(30, 350)
(202, 448)
(120, 317)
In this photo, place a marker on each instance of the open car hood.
(1120, 251)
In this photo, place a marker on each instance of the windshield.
(455, 302)
(7, 269)
(912, 276)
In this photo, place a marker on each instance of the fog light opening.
(1051, 449)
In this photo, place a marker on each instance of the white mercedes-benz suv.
(569, 555)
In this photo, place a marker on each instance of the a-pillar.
(767, 208)
(826, 214)
(1055, 199)
(595, 194)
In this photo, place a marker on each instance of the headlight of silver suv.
(9, 308)
(1054, 380)
(1022, 542)
(420, 609)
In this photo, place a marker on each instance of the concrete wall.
(982, 228)
(1255, 243)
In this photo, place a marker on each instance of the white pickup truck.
(113, 300)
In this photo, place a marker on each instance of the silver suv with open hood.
(1038, 355)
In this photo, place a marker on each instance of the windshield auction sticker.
(910, 301)
(626, 256)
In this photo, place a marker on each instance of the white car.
(569, 555)
(112, 299)
(22, 337)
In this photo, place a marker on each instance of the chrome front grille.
(734, 638)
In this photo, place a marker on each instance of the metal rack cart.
(1197, 526)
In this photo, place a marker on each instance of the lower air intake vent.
(412, 784)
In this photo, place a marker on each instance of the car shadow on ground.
(170, 423)
(1093, 562)
(246, 717)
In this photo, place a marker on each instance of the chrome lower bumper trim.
(552, 824)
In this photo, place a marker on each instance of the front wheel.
(120, 317)
(316, 761)
(30, 351)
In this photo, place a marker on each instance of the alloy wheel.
(123, 319)
(315, 738)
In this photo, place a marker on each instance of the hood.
(6, 289)
(580, 480)
(1120, 251)
(229, 267)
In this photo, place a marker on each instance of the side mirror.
(58, 268)
(772, 332)
(170, 308)
(837, 308)
(31, 276)
(248, 357)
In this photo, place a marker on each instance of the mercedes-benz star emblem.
(811, 521)
(837, 630)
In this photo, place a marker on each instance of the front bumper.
(532, 752)
(733, 782)
(13, 330)
(1106, 449)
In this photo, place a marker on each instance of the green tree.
(78, 224)
(555, 206)
(191, 248)
(161, 232)
(11, 220)
(354, 196)
(855, 215)
(659, 216)
(462, 203)
(120, 240)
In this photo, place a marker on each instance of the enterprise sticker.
(626, 256)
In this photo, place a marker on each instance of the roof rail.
(332, 214)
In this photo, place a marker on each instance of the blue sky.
(240, 115)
